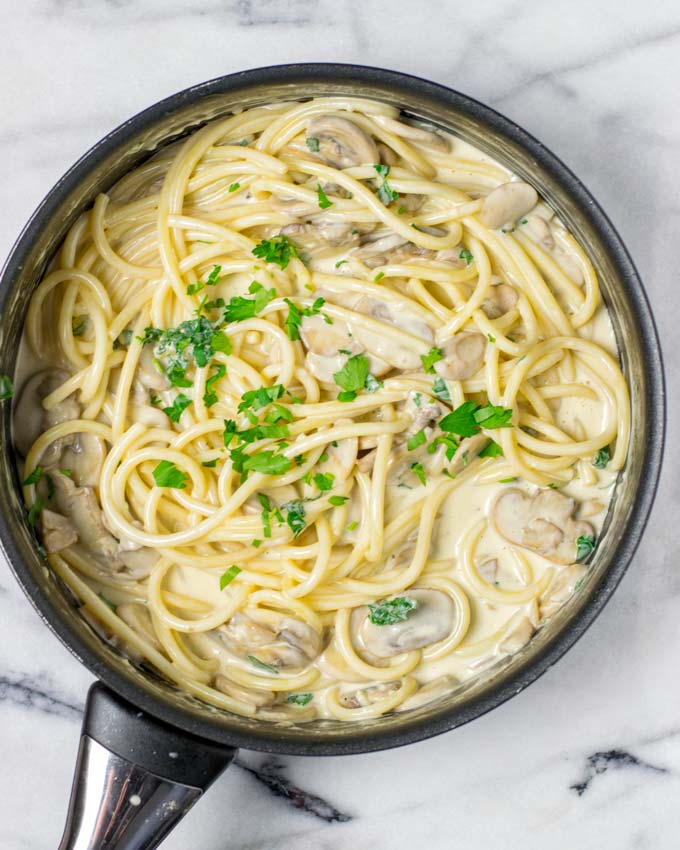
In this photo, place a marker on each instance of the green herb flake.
(179, 405)
(379, 276)
(585, 545)
(433, 356)
(210, 396)
(6, 388)
(299, 699)
(352, 376)
(166, 474)
(391, 611)
(324, 480)
(34, 511)
(373, 384)
(269, 668)
(257, 399)
(234, 187)
(239, 308)
(417, 469)
(492, 449)
(312, 144)
(79, 325)
(385, 192)
(346, 396)
(324, 203)
(337, 501)
(440, 389)
(416, 440)
(267, 462)
(466, 419)
(340, 263)
(34, 477)
(602, 458)
(295, 516)
(352, 525)
(467, 256)
(210, 464)
(491, 338)
(229, 576)
(279, 250)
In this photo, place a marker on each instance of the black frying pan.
(148, 751)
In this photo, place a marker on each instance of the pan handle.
(135, 777)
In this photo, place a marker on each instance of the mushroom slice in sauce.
(506, 203)
(431, 621)
(538, 230)
(463, 356)
(368, 696)
(31, 419)
(517, 637)
(560, 589)
(543, 523)
(84, 458)
(327, 346)
(439, 687)
(292, 645)
(424, 412)
(56, 530)
(81, 506)
(379, 247)
(342, 143)
(384, 347)
(501, 299)
(314, 236)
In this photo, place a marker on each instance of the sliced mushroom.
(463, 356)
(378, 247)
(560, 589)
(543, 523)
(139, 562)
(57, 531)
(466, 452)
(368, 696)
(500, 300)
(538, 230)
(84, 458)
(81, 506)
(439, 687)
(253, 696)
(424, 412)
(431, 621)
(506, 203)
(31, 419)
(518, 636)
(137, 616)
(314, 236)
(342, 143)
(292, 645)
(384, 347)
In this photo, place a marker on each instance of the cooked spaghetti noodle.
(324, 412)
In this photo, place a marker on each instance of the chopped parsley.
(352, 376)
(211, 464)
(278, 413)
(210, 396)
(440, 389)
(229, 576)
(212, 280)
(230, 431)
(391, 611)
(178, 407)
(416, 440)
(491, 338)
(6, 388)
(341, 263)
(385, 192)
(255, 661)
(194, 338)
(373, 384)
(324, 203)
(166, 474)
(324, 480)
(295, 516)
(466, 419)
(379, 276)
(234, 187)
(34, 511)
(257, 399)
(279, 250)
(467, 256)
(239, 308)
(418, 470)
(602, 458)
(312, 143)
(266, 462)
(295, 314)
(337, 501)
(34, 477)
(352, 525)
(299, 699)
(433, 356)
(79, 325)
(491, 450)
(123, 339)
(585, 545)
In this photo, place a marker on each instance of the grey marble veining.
(589, 756)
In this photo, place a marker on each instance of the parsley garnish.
(491, 338)
(341, 263)
(391, 611)
(419, 471)
(230, 431)
(585, 544)
(467, 419)
(416, 440)
(312, 143)
(324, 203)
(79, 325)
(6, 388)
(602, 458)
(379, 276)
(352, 376)
(229, 576)
(166, 474)
(337, 501)
(373, 384)
(211, 464)
(261, 665)
(257, 399)
(179, 405)
(295, 516)
(491, 450)
(234, 187)
(34, 477)
(279, 250)
(195, 337)
(467, 256)
(210, 396)
(440, 389)
(385, 193)
(324, 480)
(433, 356)
(299, 699)
(239, 308)
(123, 339)
(265, 462)
(34, 511)
(295, 314)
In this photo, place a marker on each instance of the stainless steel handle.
(136, 776)
(118, 804)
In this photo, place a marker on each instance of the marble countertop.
(589, 756)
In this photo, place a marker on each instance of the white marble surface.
(597, 81)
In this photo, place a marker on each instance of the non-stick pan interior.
(167, 121)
